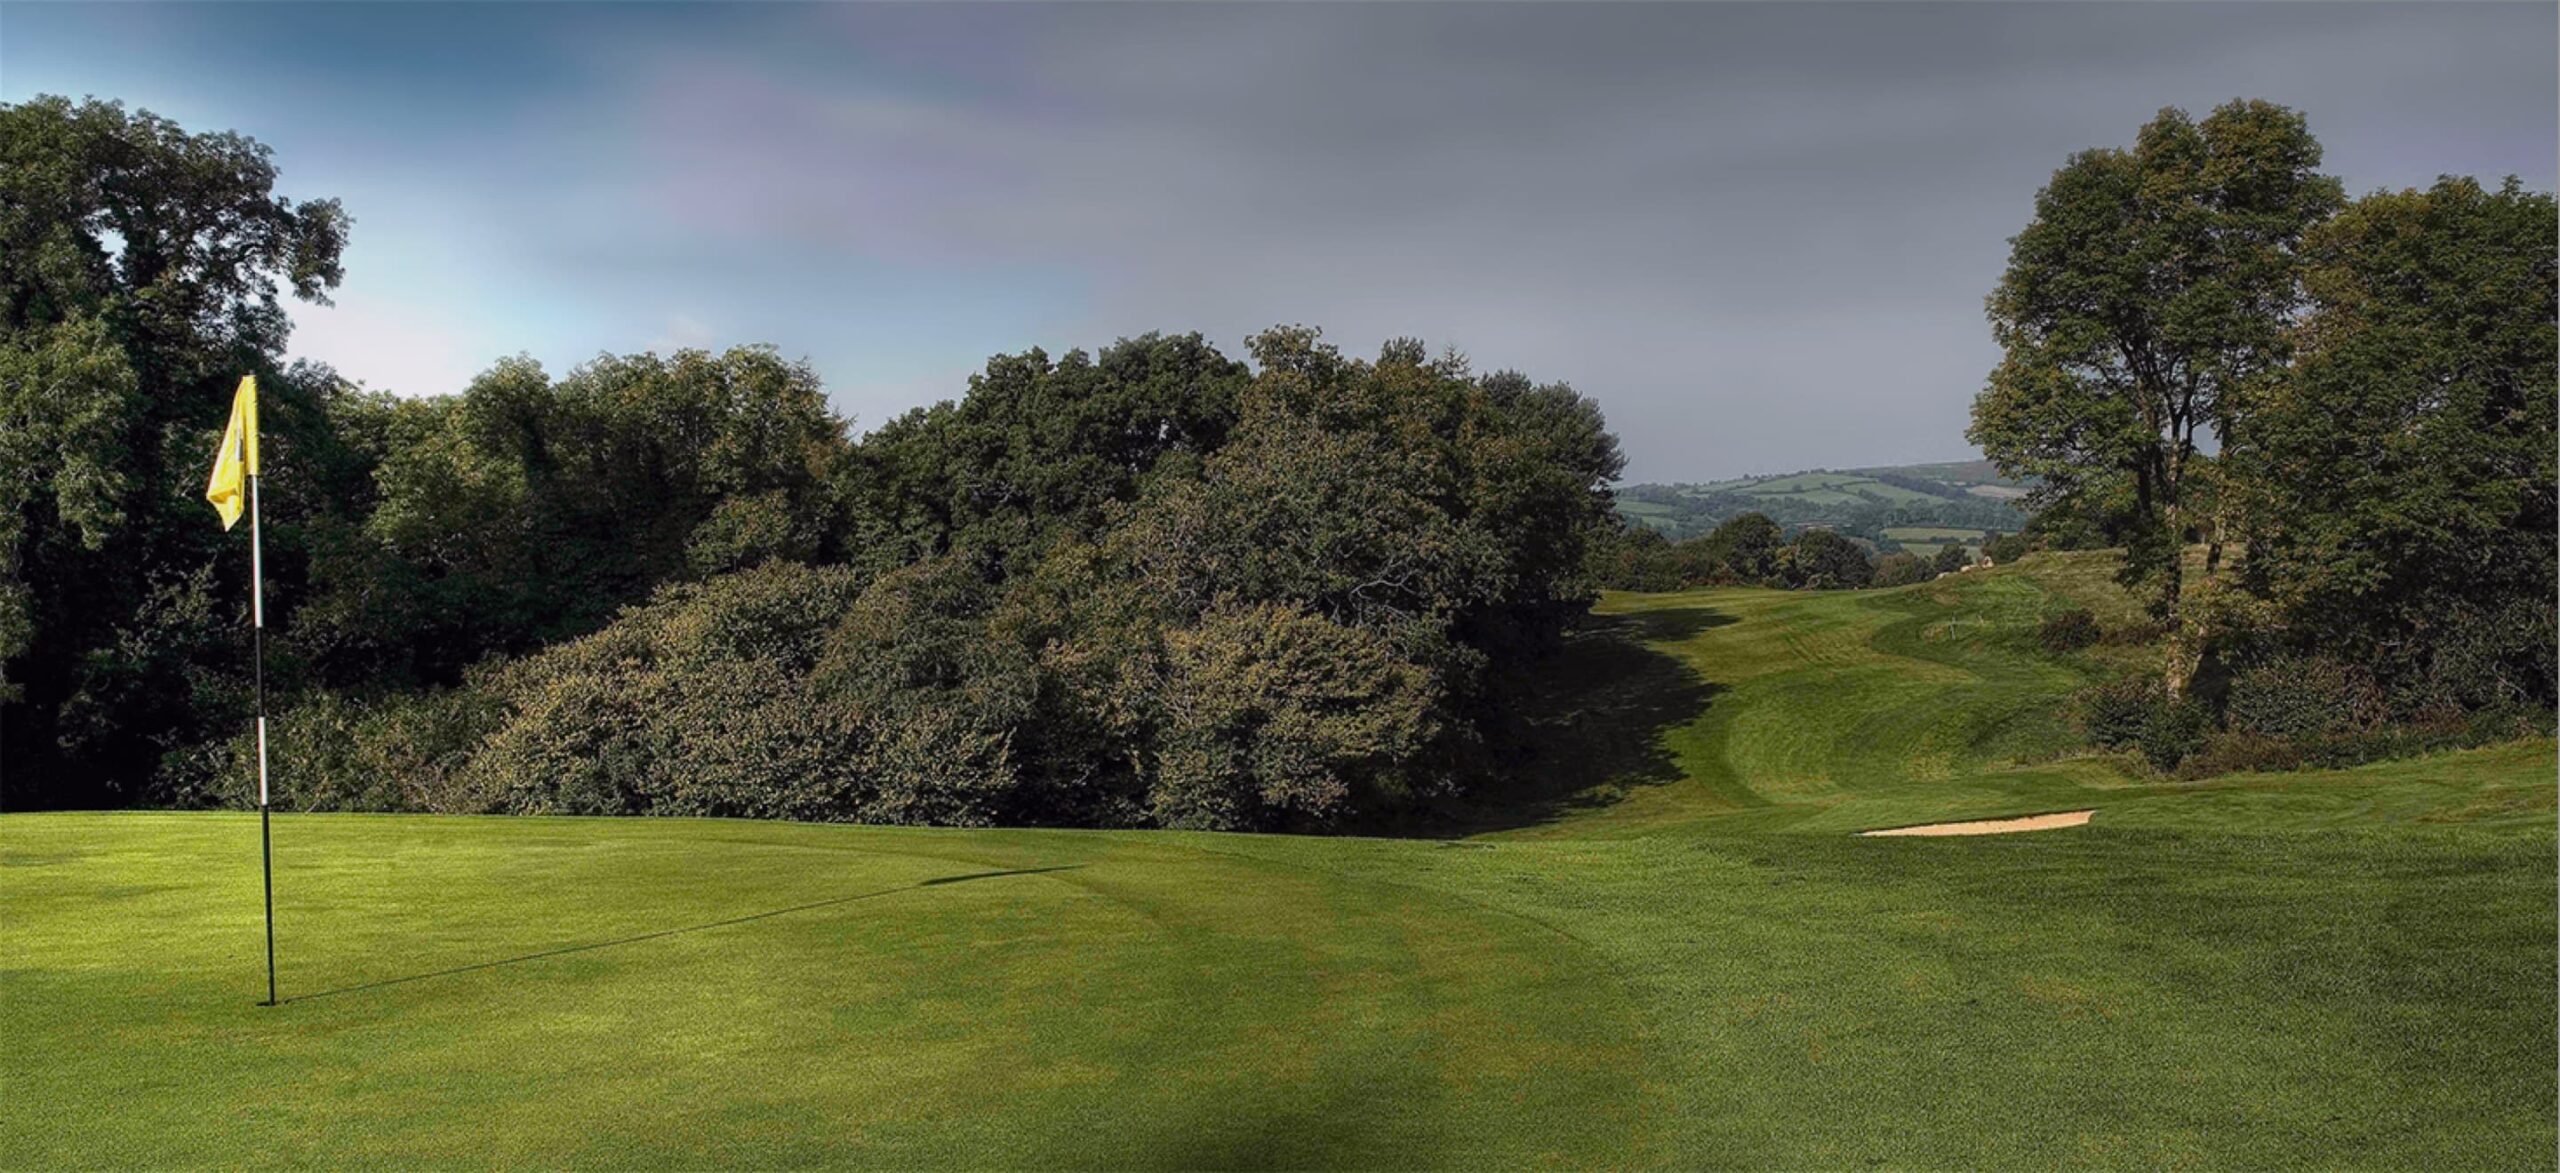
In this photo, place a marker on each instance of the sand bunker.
(1994, 826)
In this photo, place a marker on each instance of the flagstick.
(258, 625)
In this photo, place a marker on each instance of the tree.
(140, 274)
(2143, 308)
(1826, 561)
(526, 510)
(1748, 546)
(1040, 449)
(2399, 483)
(1632, 556)
(1951, 558)
(1899, 569)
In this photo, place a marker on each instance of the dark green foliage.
(402, 751)
(2004, 549)
(701, 702)
(1040, 450)
(1823, 560)
(2068, 631)
(1276, 717)
(933, 695)
(1747, 547)
(2140, 306)
(2175, 730)
(140, 274)
(2233, 751)
(527, 510)
(1951, 558)
(1899, 569)
(2287, 713)
(1288, 620)
(1638, 558)
(2304, 696)
(2377, 381)
(2114, 713)
(1629, 557)
(2400, 480)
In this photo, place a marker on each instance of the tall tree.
(2142, 308)
(1040, 449)
(526, 510)
(2400, 482)
(140, 274)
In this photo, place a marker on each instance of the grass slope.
(1668, 952)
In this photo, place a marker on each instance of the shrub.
(696, 703)
(332, 752)
(2305, 697)
(2239, 751)
(1276, 717)
(2004, 549)
(934, 694)
(2113, 714)
(2486, 659)
(2068, 631)
(1901, 570)
(2175, 731)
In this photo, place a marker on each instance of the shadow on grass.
(1591, 724)
(1339, 1119)
(1665, 626)
(635, 939)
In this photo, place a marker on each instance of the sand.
(1994, 826)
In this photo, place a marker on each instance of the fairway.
(1666, 948)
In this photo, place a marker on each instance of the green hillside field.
(1869, 503)
(1927, 540)
(1662, 947)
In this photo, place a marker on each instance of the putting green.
(546, 991)
(1665, 948)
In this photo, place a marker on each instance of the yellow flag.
(238, 456)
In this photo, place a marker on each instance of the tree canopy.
(141, 268)
(1144, 584)
(2142, 307)
(2399, 483)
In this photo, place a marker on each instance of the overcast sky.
(1759, 235)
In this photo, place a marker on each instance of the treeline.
(1753, 550)
(1147, 585)
(2322, 428)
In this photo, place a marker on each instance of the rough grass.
(1662, 948)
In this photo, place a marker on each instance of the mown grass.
(1662, 949)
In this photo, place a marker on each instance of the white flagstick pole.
(258, 621)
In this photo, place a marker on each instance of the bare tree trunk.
(2184, 653)
(2182, 663)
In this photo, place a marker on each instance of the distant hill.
(1914, 507)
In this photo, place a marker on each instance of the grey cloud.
(1760, 235)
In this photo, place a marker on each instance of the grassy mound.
(1665, 950)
